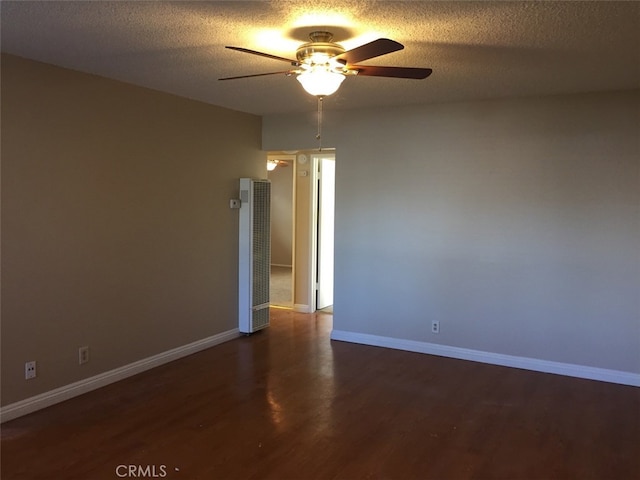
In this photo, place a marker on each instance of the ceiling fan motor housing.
(320, 50)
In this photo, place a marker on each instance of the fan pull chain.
(319, 135)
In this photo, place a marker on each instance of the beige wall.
(514, 223)
(116, 227)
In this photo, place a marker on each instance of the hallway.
(281, 286)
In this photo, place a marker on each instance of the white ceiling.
(478, 50)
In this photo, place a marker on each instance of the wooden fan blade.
(286, 72)
(382, 46)
(395, 72)
(267, 55)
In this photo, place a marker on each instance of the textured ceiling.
(477, 50)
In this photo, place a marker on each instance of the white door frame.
(313, 227)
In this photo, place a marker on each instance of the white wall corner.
(43, 400)
(544, 366)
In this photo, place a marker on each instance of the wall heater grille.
(254, 254)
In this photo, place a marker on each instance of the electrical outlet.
(435, 326)
(83, 355)
(30, 370)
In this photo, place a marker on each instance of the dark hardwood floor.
(287, 403)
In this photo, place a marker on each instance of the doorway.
(302, 218)
(282, 227)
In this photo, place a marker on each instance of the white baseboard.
(301, 308)
(571, 370)
(66, 392)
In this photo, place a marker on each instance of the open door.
(326, 174)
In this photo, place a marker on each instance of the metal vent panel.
(260, 318)
(261, 242)
(254, 254)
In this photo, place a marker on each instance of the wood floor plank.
(288, 403)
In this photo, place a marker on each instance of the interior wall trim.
(46, 399)
(302, 308)
(545, 366)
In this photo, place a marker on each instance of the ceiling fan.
(321, 65)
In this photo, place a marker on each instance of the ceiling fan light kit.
(320, 82)
(273, 164)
